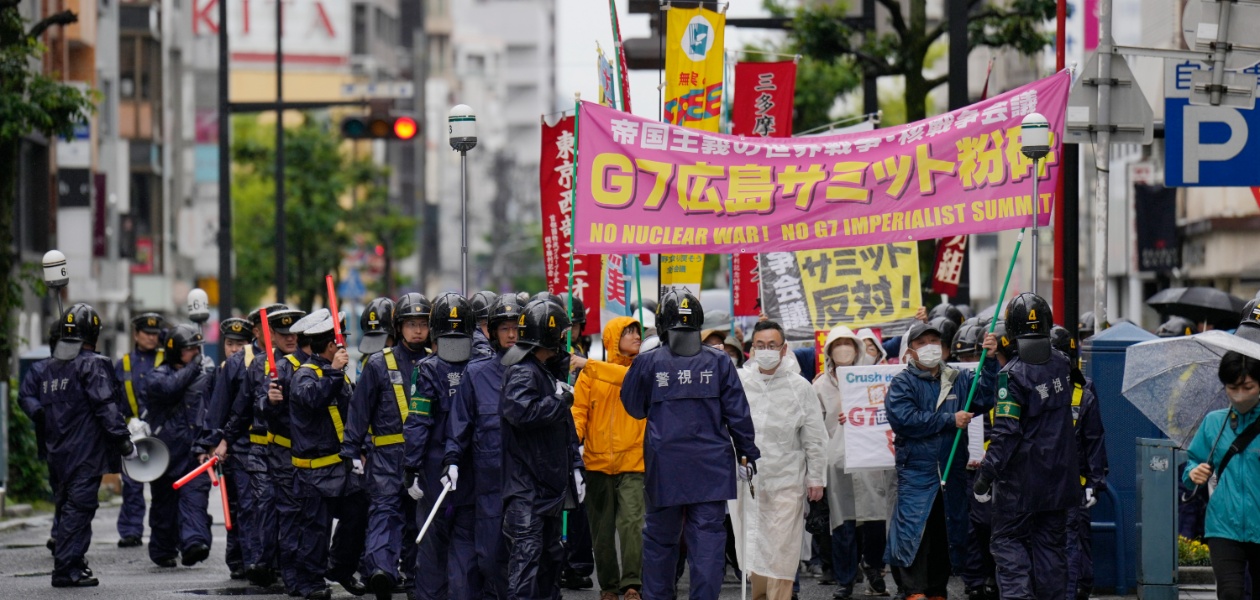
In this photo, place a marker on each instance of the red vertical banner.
(745, 288)
(556, 186)
(947, 272)
(763, 99)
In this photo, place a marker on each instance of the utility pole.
(425, 231)
(1102, 158)
(225, 171)
(281, 275)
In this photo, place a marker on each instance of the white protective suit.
(792, 440)
(860, 496)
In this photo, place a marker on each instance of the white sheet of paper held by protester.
(868, 438)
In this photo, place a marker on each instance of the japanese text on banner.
(694, 67)
(764, 93)
(652, 187)
(615, 300)
(555, 187)
(682, 271)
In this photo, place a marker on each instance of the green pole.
(577, 120)
(638, 288)
(975, 381)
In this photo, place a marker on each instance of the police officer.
(474, 429)
(1031, 465)
(377, 325)
(266, 530)
(481, 303)
(86, 432)
(445, 560)
(948, 329)
(1175, 327)
(1092, 446)
(979, 574)
(695, 406)
(541, 467)
(237, 337)
(967, 342)
(326, 486)
(1249, 329)
(178, 520)
(580, 553)
(375, 420)
(415, 309)
(28, 399)
(132, 371)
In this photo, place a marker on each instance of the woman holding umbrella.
(1232, 529)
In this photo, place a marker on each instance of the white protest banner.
(868, 437)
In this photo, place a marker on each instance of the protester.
(613, 454)
(857, 502)
(1231, 530)
(695, 407)
(872, 346)
(928, 527)
(788, 421)
(1032, 458)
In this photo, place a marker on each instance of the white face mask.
(929, 356)
(767, 359)
(844, 355)
(734, 362)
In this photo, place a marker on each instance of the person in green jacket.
(1232, 529)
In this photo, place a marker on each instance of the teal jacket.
(1231, 513)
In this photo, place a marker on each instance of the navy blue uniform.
(446, 557)
(227, 383)
(481, 347)
(377, 412)
(1092, 446)
(323, 482)
(85, 430)
(474, 429)
(279, 459)
(539, 455)
(251, 422)
(695, 406)
(132, 373)
(178, 519)
(1032, 461)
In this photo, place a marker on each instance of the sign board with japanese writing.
(764, 93)
(868, 438)
(951, 253)
(645, 186)
(617, 278)
(555, 186)
(817, 290)
(694, 67)
(682, 271)
(1207, 145)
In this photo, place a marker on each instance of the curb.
(1196, 576)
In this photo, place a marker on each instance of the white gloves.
(138, 428)
(985, 497)
(746, 472)
(414, 491)
(133, 454)
(580, 485)
(1090, 500)
(451, 476)
(357, 469)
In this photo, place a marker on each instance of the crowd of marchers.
(479, 450)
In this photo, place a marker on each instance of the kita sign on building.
(315, 32)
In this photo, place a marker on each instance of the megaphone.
(152, 462)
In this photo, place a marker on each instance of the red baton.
(209, 464)
(336, 315)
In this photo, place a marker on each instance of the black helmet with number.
(481, 303)
(1175, 327)
(505, 308)
(79, 326)
(1006, 345)
(949, 311)
(578, 315)
(377, 324)
(1249, 329)
(679, 319)
(1061, 339)
(452, 324)
(411, 306)
(948, 330)
(968, 339)
(183, 336)
(543, 324)
(1029, 320)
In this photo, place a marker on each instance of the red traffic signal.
(379, 127)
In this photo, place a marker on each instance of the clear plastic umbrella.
(1174, 383)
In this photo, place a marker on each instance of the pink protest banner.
(645, 186)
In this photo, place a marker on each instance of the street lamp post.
(462, 127)
(56, 275)
(1035, 144)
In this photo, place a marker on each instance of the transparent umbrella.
(1174, 383)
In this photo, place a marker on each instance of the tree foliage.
(30, 102)
(320, 217)
(821, 33)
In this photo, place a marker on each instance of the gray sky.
(582, 23)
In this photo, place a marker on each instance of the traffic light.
(379, 127)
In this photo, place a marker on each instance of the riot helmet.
(182, 337)
(1175, 327)
(79, 326)
(1061, 339)
(679, 319)
(452, 323)
(1249, 329)
(948, 311)
(543, 324)
(377, 324)
(1029, 320)
(481, 302)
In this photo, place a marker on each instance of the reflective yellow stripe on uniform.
(261, 439)
(400, 395)
(282, 441)
(333, 412)
(1077, 393)
(131, 390)
(249, 355)
(161, 356)
(316, 463)
(387, 440)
